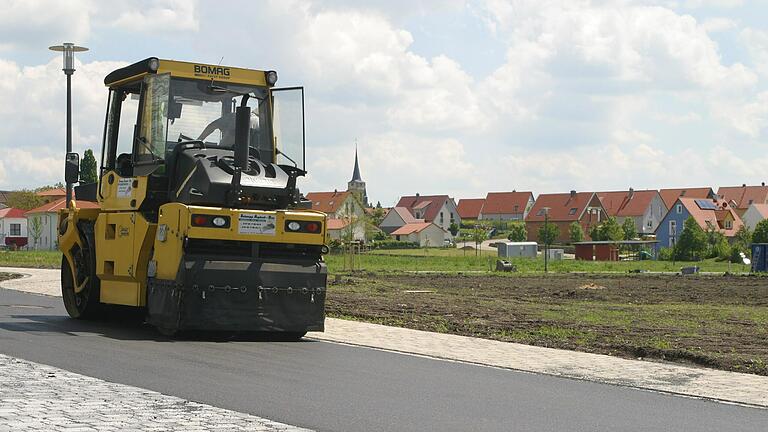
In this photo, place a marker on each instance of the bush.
(575, 232)
(394, 244)
(761, 232)
(517, 232)
(693, 242)
(665, 254)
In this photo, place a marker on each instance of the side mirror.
(72, 168)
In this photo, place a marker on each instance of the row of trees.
(549, 233)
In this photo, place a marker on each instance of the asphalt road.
(334, 387)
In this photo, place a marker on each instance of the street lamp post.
(68, 49)
(546, 241)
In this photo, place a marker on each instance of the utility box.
(517, 249)
(556, 254)
(760, 257)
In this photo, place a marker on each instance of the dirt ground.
(713, 321)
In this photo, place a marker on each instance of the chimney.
(631, 194)
(417, 194)
(335, 191)
(743, 185)
(573, 194)
(762, 184)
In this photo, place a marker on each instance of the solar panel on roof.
(705, 204)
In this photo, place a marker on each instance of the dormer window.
(728, 224)
(572, 211)
(679, 209)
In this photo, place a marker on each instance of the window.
(672, 228)
(517, 208)
(16, 230)
(750, 202)
(441, 218)
(679, 208)
(540, 212)
(671, 241)
(728, 224)
(649, 224)
(572, 211)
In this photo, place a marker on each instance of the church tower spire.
(357, 185)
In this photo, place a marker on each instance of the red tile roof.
(564, 207)
(53, 192)
(469, 208)
(11, 213)
(620, 203)
(702, 216)
(743, 196)
(412, 228)
(336, 224)
(506, 202)
(431, 204)
(57, 205)
(670, 195)
(327, 202)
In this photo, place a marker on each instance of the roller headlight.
(294, 226)
(219, 221)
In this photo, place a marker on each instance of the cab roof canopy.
(201, 71)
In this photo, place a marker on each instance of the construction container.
(760, 257)
(517, 249)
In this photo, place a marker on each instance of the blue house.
(709, 214)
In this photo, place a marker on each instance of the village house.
(346, 213)
(646, 208)
(710, 214)
(440, 209)
(741, 197)
(755, 214)
(13, 227)
(564, 209)
(42, 223)
(426, 234)
(397, 217)
(506, 206)
(469, 208)
(51, 195)
(671, 195)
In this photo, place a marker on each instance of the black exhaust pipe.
(242, 137)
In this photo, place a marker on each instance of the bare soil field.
(713, 321)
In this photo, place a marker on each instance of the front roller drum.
(286, 299)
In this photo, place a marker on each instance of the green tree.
(575, 232)
(761, 232)
(628, 226)
(453, 228)
(377, 216)
(88, 168)
(35, 230)
(611, 230)
(718, 244)
(594, 233)
(479, 235)
(548, 233)
(517, 232)
(693, 242)
(24, 199)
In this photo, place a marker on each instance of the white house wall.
(752, 217)
(48, 237)
(5, 228)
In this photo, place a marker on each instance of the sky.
(442, 97)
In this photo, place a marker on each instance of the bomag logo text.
(211, 70)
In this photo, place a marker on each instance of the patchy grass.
(715, 321)
(455, 260)
(8, 276)
(36, 259)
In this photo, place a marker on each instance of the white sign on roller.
(248, 223)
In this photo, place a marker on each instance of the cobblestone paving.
(35, 397)
(673, 378)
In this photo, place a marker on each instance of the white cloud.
(34, 124)
(37, 24)
(714, 25)
(159, 16)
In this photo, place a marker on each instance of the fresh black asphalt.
(334, 387)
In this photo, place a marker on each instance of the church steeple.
(357, 185)
(356, 172)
